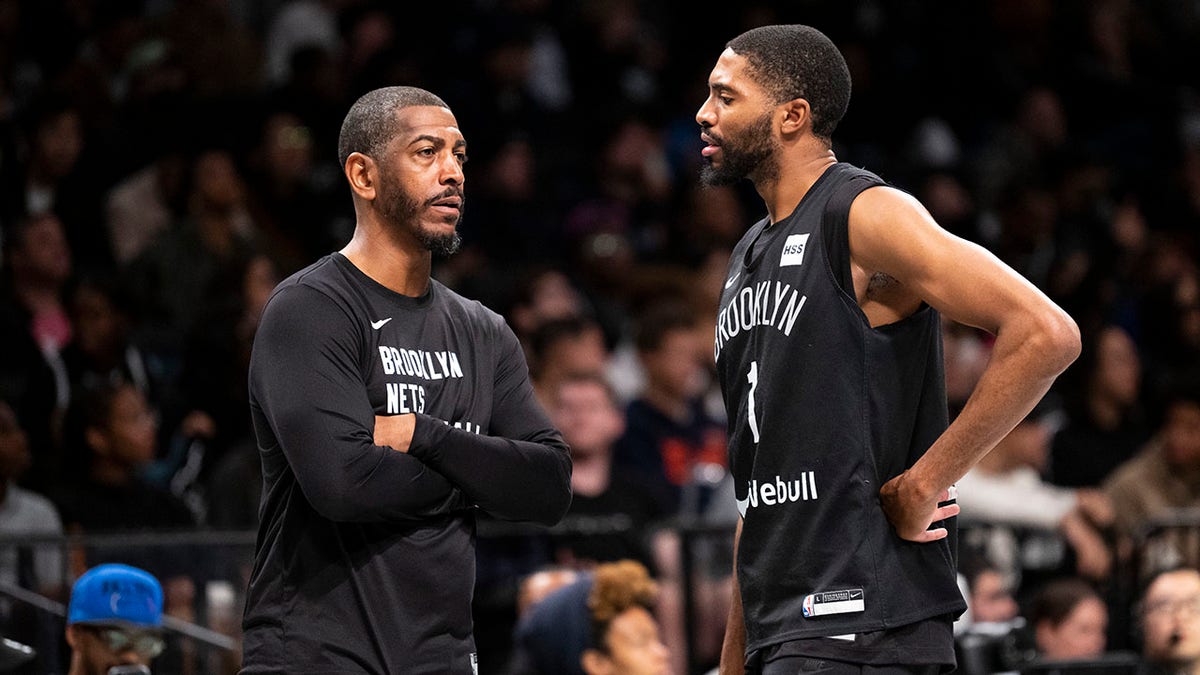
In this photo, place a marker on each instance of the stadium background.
(186, 151)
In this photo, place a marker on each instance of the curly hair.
(618, 586)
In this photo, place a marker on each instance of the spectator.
(602, 623)
(624, 635)
(989, 598)
(36, 327)
(117, 432)
(52, 183)
(621, 504)
(114, 619)
(102, 349)
(562, 347)
(1069, 621)
(1165, 475)
(180, 276)
(1005, 489)
(36, 567)
(668, 435)
(141, 207)
(1105, 426)
(1170, 622)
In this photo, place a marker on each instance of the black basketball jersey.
(824, 409)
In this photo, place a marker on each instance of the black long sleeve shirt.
(365, 560)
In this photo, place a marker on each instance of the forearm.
(733, 649)
(510, 479)
(347, 478)
(1026, 359)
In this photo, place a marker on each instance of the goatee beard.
(400, 208)
(751, 155)
(441, 245)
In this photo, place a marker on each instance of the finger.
(930, 535)
(947, 511)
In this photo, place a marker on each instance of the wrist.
(919, 487)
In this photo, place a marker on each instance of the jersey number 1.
(752, 376)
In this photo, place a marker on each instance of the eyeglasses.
(117, 640)
(1188, 606)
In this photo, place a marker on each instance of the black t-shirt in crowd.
(365, 560)
(614, 524)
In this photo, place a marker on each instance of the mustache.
(717, 140)
(448, 192)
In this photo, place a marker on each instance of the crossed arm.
(521, 472)
(308, 386)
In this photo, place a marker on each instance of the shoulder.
(1135, 471)
(38, 509)
(317, 290)
(479, 315)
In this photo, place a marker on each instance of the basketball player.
(829, 355)
(387, 410)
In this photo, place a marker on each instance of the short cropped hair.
(371, 122)
(795, 61)
(659, 320)
(1058, 598)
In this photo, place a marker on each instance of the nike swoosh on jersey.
(732, 279)
(379, 324)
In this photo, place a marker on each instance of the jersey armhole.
(835, 228)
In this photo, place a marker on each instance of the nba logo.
(807, 608)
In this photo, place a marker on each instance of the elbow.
(1057, 340)
(557, 507)
(337, 505)
(555, 501)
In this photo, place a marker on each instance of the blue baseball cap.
(117, 595)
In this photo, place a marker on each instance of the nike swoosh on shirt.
(732, 279)
(379, 324)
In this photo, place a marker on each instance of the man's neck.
(38, 296)
(394, 260)
(105, 472)
(1106, 413)
(666, 403)
(799, 169)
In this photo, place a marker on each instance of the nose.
(661, 653)
(451, 171)
(706, 116)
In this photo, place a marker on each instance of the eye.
(461, 157)
(426, 152)
(725, 99)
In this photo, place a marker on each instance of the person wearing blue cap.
(114, 621)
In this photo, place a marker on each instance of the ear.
(618, 422)
(72, 637)
(593, 662)
(96, 440)
(796, 117)
(1043, 633)
(362, 174)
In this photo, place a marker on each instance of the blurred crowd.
(163, 164)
